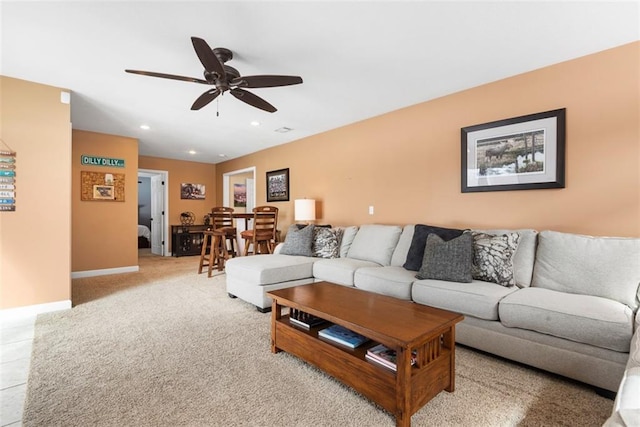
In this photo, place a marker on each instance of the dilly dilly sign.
(102, 161)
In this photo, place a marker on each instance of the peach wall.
(35, 244)
(407, 163)
(184, 172)
(104, 233)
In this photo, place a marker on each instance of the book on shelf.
(303, 319)
(342, 335)
(386, 356)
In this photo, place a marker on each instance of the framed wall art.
(99, 186)
(278, 185)
(192, 191)
(521, 153)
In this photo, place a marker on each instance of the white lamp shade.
(305, 209)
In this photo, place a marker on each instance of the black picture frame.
(278, 185)
(520, 153)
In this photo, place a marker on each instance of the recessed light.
(222, 155)
(255, 123)
(145, 127)
(192, 152)
(283, 129)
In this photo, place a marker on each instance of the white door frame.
(148, 173)
(227, 197)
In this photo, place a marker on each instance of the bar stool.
(224, 229)
(208, 257)
(263, 235)
(219, 242)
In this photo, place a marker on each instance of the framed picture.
(522, 153)
(278, 185)
(103, 192)
(239, 195)
(192, 191)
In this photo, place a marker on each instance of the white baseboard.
(33, 310)
(104, 272)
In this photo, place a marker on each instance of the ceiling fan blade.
(253, 100)
(167, 76)
(209, 60)
(265, 81)
(205, 98)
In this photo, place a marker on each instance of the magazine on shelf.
(305, 320)
(385, 356)
(343, 336)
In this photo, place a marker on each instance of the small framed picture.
(192, 191)
(103, 192)
(278, 185)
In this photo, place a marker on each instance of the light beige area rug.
(167, 347)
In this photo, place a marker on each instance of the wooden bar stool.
(263, 235)
(208, 254)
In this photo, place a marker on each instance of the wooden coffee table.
(402, 325)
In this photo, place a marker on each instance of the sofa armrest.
(626, 408)
(278, 248)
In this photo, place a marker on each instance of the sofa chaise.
(567, 303)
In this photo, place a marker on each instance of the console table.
(187, 239)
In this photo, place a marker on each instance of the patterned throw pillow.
(493, 257)
(326, 242)
(450, 260)
(298, 241)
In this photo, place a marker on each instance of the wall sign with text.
(7, 180)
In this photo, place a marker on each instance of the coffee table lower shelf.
(401, 393)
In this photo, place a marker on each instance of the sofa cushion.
(339, 270)
(449, 260)
(326, 242)
(394, 281)
(419, 240)
(493, 257)
(399, 256)
(348, 234)
(269, 268)
(298, 241)
(606, 267)
(525, 256)
(376, 243)
(588, 319)
(478, 299)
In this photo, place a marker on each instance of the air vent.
(283, 129)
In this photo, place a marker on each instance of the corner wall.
(35, 243)
(407, 163)
(105, 233)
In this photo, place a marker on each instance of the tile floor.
(16, 339)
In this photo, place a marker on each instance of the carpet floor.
(166, 347)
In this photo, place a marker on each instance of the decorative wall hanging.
(239, 195)
(522, 153)
(278, 185)
(99, 186)
(7, 178)
(192, 191)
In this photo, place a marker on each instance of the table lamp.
(305, 210)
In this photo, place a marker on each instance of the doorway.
(158, 205)
(238, 192)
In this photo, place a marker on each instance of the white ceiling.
(357, 59)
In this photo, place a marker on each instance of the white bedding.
(144, 231)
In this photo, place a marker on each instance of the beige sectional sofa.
(572, 311)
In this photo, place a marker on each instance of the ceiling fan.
(225, 78)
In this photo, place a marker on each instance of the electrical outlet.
(370, 210)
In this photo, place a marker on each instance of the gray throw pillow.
(298, 241)
(326, 242)
(493, 257)
(450, 260)
(419, 240)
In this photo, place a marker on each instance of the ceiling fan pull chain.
(218, 107)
